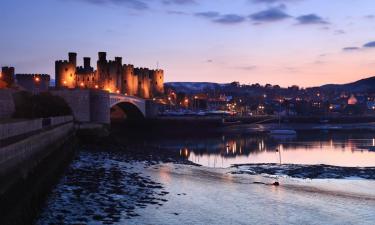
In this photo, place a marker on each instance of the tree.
(39, 106)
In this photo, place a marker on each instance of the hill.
(364, 85)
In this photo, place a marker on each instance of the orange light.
(64, 81)
(96, 86)
(118, 91)
(37, 79)
(82, 84)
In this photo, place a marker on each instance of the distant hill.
(193, 87)
(364, 85)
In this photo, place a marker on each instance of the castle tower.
(129, 81)
(73, 58)
(7, 75)
(102, 56)
(102, 70)
(65, 72)
(143, 82)
(86, 63)
(157, 82)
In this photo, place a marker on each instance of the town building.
(110, 75)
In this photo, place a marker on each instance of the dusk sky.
(285, 42)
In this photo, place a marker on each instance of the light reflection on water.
(337, 150)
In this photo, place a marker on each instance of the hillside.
(364, 85)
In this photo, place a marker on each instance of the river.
(107, 186)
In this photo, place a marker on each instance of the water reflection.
(338, 150)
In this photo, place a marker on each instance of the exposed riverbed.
(153, 182)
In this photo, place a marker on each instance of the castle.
(110, 75)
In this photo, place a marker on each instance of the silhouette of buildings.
(110, 75)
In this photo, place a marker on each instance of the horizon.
(284, 42)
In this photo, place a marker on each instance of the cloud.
(248, 68)
(273, 1)
(179, 2)
(134, 4)
(174, 12)
(269, 15)
(311, 19)
(338, 32)
(369, 45)
(350, 49)
(230, 19)
(208, 14)
(216, 17)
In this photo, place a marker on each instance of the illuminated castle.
(111, 75)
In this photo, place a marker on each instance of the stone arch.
(127, 107)
(126, 111)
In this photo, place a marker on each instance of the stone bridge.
(119, 99)
(97, 106)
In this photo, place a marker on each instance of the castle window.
(71, 75)
(66, 69)
(124, 81)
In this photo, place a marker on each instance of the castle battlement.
(110, 75)
(32, 76)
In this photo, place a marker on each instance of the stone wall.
(79, 102)
(99, 107)
(19, 158)
(13, 129)
(7, 107)
(87, 105)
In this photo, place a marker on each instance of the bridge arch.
(127, 107)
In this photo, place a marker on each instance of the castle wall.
(111, 76)
(34, 83)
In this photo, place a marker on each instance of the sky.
(285, 42)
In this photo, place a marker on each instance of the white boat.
(283, 132)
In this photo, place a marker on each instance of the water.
(110, 187)
(346, 150)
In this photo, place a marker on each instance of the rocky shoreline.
(306, 171)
